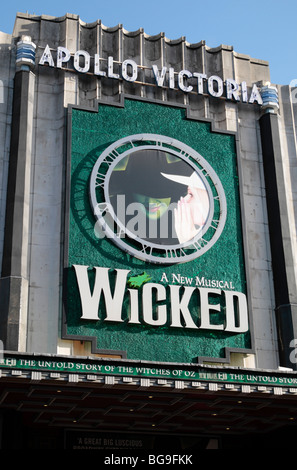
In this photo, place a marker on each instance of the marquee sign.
(167, 77)
(155, 263)
(196, 375)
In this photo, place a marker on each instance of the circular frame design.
(127, 240)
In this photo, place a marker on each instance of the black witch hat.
(143, 175)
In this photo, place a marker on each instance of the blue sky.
(261, 29)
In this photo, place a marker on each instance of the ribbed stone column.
(285, 307)
(14, 276)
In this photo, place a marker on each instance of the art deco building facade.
(121, 329)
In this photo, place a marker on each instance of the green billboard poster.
(154, 260)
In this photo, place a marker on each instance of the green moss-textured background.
(92, 133)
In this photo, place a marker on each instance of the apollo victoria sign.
(128, 70)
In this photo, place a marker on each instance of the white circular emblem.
(157, 199)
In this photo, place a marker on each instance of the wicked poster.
(154, 266)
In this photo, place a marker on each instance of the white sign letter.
(206, 307)
(111, 73)
(76, 64)
(179, 307)
(133, 67)
(181, 84)
(231, 90)
(217, 93)
(236, 321)
(200, 77)
(160, 77)
(47, 57)
(63, 55)
(147, 304)
(255, 95)
(90, 301)
(97, 70)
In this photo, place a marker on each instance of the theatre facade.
(147, 242)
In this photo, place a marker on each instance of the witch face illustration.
(152, 207)
(156, 181)
(138, 178)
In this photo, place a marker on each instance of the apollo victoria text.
(128, 70)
